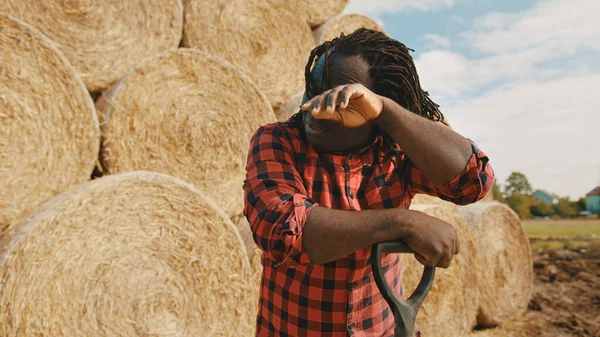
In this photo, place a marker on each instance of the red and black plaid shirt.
(286, 178)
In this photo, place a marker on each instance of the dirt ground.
(566, 297)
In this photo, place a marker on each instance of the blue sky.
(411, 27)
(519, 77)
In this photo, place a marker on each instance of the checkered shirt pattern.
(286, 178)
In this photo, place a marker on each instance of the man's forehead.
(342, 70)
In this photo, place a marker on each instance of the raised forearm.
(332, 234)
(439, 153)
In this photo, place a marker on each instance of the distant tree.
(521, 204)
(517, 183)
(542, 209)
(581, 204)
(565, 208)
(497, 193)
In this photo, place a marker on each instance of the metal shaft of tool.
(405, 312)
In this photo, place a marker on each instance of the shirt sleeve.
(275, 199)
(469, 186)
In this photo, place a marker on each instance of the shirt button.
(351, 195)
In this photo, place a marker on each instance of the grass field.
(560, 233)
(561, 228)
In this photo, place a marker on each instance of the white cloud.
(517, 45)
(527, 98)
(557, 26)
(547, 130)
(437, 41)
(450, 75)
(458, 19)
(376, 7)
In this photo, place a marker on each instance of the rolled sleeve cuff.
(475, 180)
(292, 231)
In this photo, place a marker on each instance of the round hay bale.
(134, 254)
(49, 133)
(252, 250)
(268, 45)
(313, 12)
(505, 268)
(254, 253)
(488, 197)
(104, 39)
(344, 23)
(425, 199)
(450, 308)
(187, 114)
(291, 107)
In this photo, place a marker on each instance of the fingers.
(333, 99)
(424, 261)
(445, 261)
(330, 99)
(440, 258)
(309, 104)
(346, 94)
(318, 111)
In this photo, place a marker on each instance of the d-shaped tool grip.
(405, 312)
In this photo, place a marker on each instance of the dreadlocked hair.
(391, 67)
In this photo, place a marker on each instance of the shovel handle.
(405, 312)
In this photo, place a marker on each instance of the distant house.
(592, 201)
(543, 196)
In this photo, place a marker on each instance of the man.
(339, 177)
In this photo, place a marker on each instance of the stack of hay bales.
(188, 114)
(104, 39)
(488, 283)
(269, 45)
(314, 12)
(145, 253)
(49, 135)
(290, 108)
(451, 305)
(504, 262)
(346, 23)
(132, 254)
(254, 255)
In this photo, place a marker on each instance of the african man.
(339, 176)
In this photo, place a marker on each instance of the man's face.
(326, 135)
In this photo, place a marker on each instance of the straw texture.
(104, 39)
(505, 267)
(344, 23)
(134, 254)
(252, 250)
(314, 12)
(425, 199)
(49, 134)
(451, 306)
(291, 107)
(488, 197)
(255, 257)
(187, 114)
(271, 46)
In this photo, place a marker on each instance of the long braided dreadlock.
(391, 67)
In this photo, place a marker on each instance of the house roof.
(595, 191)
(542, 196)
